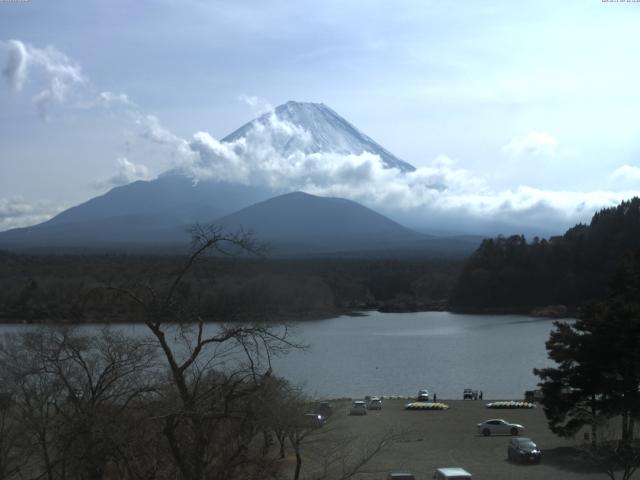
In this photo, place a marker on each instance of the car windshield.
(527, 445)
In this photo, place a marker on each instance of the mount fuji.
(152, 215)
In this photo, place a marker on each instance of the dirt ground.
(447, 438)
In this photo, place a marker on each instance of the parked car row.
(521, 449)
(360, 407)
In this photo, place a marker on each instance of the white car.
(499, 426)
(423, 395)
(451, 473)
(358, 407)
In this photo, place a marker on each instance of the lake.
(400, 353)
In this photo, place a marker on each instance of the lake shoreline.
(550, 311)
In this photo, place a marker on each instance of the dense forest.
(82, 288)
(512, 274)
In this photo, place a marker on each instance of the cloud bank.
(17, 212)
(433, 191)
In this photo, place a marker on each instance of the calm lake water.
(400, 353)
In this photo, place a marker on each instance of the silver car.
(499, 426)
(375, 403)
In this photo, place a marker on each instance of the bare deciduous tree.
(72, 392)
(216, 373)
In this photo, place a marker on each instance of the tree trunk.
(594, 422)
(296, 475)
(281, 440)
(625, 427)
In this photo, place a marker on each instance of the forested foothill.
(513, 274)
(75, 288)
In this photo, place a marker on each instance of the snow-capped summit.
(324, 131)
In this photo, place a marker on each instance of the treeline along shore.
(547, 277)
(558, 274)
(82, 288)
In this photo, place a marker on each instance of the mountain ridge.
(320, 225)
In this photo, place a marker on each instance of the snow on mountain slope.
(323, 131)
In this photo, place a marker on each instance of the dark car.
(312, 420)
(324, 409)
(523, 449)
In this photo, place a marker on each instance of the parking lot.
(448, 438)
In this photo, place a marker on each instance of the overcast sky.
(529, 103)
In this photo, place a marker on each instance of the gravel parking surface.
(449, 438)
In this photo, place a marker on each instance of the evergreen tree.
(598, 362)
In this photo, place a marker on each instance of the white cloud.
(533, 143)
(626, 175)
(17, 212)
(126, 172)
(256, 159)
(110, 99)
(16, 68)
(153, 131)
(55, 75)
(56, 79)
(258, 104)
